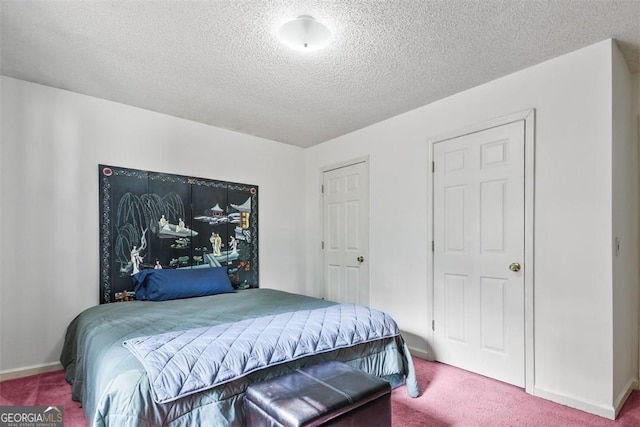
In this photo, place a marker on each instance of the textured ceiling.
(219, 61)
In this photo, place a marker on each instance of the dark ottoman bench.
(330, 393)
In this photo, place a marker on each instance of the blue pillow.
(167, 284)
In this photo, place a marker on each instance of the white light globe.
(305, 33)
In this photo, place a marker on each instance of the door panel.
(492, 292)
(455, 289)
(478, 196)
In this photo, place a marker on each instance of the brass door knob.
(360, 259)
(515, 267)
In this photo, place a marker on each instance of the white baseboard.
(631, 385)
(29, 370)
(602, 410)
(422, 354)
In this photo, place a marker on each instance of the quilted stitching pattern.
(185, 362)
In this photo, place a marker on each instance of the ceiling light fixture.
(305, 33)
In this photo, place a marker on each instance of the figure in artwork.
(136, 260)
(157, 266)
(163, 222)
(180, 227)
(217, 244)
(233, 244)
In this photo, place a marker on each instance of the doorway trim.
(528, 116)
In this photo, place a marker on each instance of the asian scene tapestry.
(160, 220)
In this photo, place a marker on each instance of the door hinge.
(433, 167)
(433, 325)
(433, 246)
(322, 245)
(322, 189)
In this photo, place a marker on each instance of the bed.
(114, 386)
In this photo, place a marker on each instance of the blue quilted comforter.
(185, 362)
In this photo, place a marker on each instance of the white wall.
(626, 251)
(573, 214)
(51, 143)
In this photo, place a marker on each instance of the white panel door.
(478, 196)
(346, 234)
